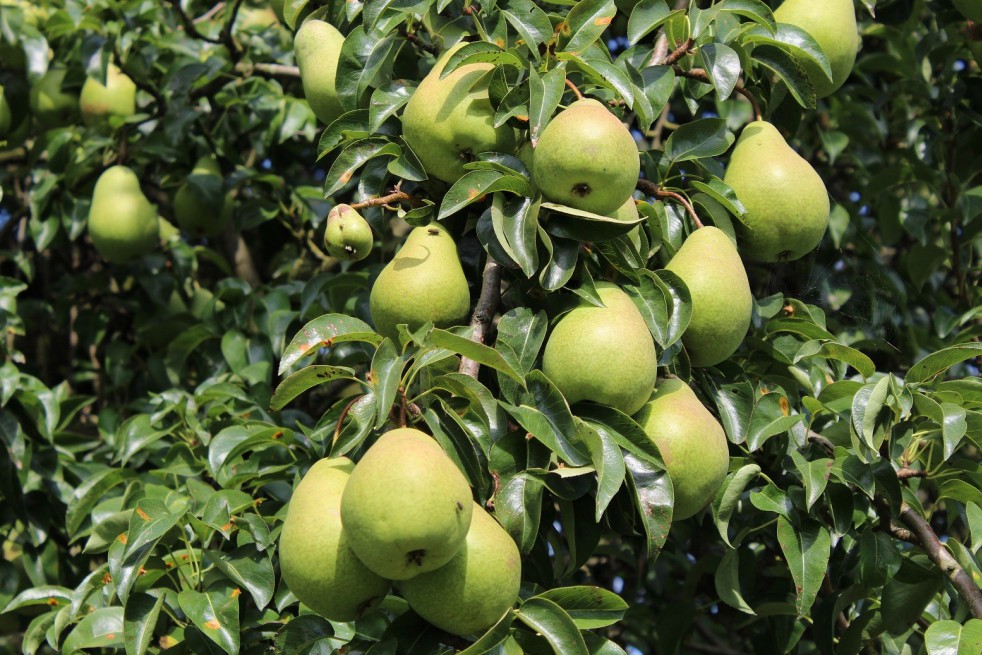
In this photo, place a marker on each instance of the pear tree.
(491, 326)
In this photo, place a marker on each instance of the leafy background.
(156, 415)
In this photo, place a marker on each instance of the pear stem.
(700, 75)
(487, 305)
(576, 91)
(650, 188)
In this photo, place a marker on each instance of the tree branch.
(268, 70)
(189, 27)
(487, 305)
(653, 189)
(395, 196)
(678, 53)
(661, 43)
(700, 75)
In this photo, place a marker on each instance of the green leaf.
(789, 71)
(728, 496)
(722, 64)
(363, 57)
(307, 378)
(480, 353)
(92, 491)
(908, 593)
(103, 628)
(589, 607)
(249, 568)
(492, 637)
(879, 559)
(646, 17)
(216, 614)
(354, 156)
(473, 186)
(150, 521)
(545, 414)
(139, 620)
(479, 52)
(793, 40)
(554, 624)
(386, 375)
(515, 222)
(806, 550)
(705, 137)
(584, 24)
(324, 332)
(654, 498)
(531, 22)
(608, 461)
(665, 304)
(545, 94)
(770, 417)
(947, 637)
(727, 581)
(930, 367)
(814, 476)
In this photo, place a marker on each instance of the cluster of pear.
(404, 513)
(53, 106)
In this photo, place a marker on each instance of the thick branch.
(935, 550)
(679, 52)
(653, 189)
(700, 75)
(268, 70)
(487, 305)
(189, 26)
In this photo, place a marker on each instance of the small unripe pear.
(200, 208)
(51, 106)
(122, 222)
(117, 97)
(348, 235)
(5, 115)
(832, 23)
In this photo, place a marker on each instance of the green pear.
(116, 97)
(316, 560)
(711, 268)
(6, 117)
(407, 506)
(122, 222)
(475, 588)
(423, 283)
(348, 235)
(586, 158)
(199, 208)
(448, 122)
(692, 444)
(52, 106)
(832, 23)
(971, 9)
(786, 201)
(318, 48)
(603, 354)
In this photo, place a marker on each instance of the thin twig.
(700, 75)
(661, 43)
(576, 91)
(396, 196)
(487, 305)
(211, 13)
(189, 27)
(226, 37)
(344, 415)
(826, 445)
(419, 43)
(907, 473)
(684, 48)
(268, 70)
(652, 189)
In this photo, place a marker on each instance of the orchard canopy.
(239, 238)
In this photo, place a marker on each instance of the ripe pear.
(423, 282)
(586, 158)
(122, 222)
(692, 444)
(200, 208)
(603, 354)
(471, 592)
(407, 506)
(832, 23)
(786, 200)
(116, 97)
(318, 48)
(316, 560)
(348, 235)
(6, 117)
(52, 106)
(722, 304)
(971, 9)
(448, 122)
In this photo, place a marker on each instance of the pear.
(472, 591)
(586, 158)
(448, 122)
(52, 106)
(603, 354)
(316, 561)
(407, 507)
(832, 23)
(692, 444)
(424, 282)
(318, 48)
(200, 208)
(722, 304)
(970, 9)
(6, 117)
(116, 97)
(786, 201)
(122, 222)
(348, 235)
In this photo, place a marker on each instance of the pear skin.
(692, 444)
(475, 588)
(786, 201)
(6, 117)
(423, 283)
(200, 209)
(315, 560)
(586, 158)
(348, 236)
(318, 48)
(407, 507)
(122, 222)
(604, 355)
(117, 97)
(52, 106)
(722, 303)
(832, 23)
(448, 122)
